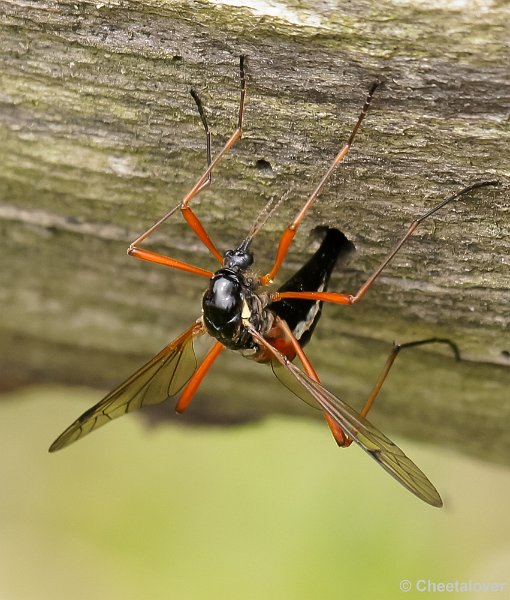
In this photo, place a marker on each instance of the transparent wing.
(287, 377)
(163, 376)
(376, 444)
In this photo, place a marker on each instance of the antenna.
(262, 218)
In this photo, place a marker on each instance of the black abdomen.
(303, 315)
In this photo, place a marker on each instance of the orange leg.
(290, 231)
(340, 437)
(161, 259)
(191, 387)
(202, 182)
(348, 299)
(338, 433)
(389, 363)
(391, 359)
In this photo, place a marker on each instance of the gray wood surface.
(99, 137)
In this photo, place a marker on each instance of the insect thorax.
(230, 305)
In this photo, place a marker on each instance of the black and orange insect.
(242, 314)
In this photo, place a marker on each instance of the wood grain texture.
(99, 137)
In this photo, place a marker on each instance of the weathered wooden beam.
(99, 137)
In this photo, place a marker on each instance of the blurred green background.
(272, 510)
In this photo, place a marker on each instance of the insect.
(241, 313)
